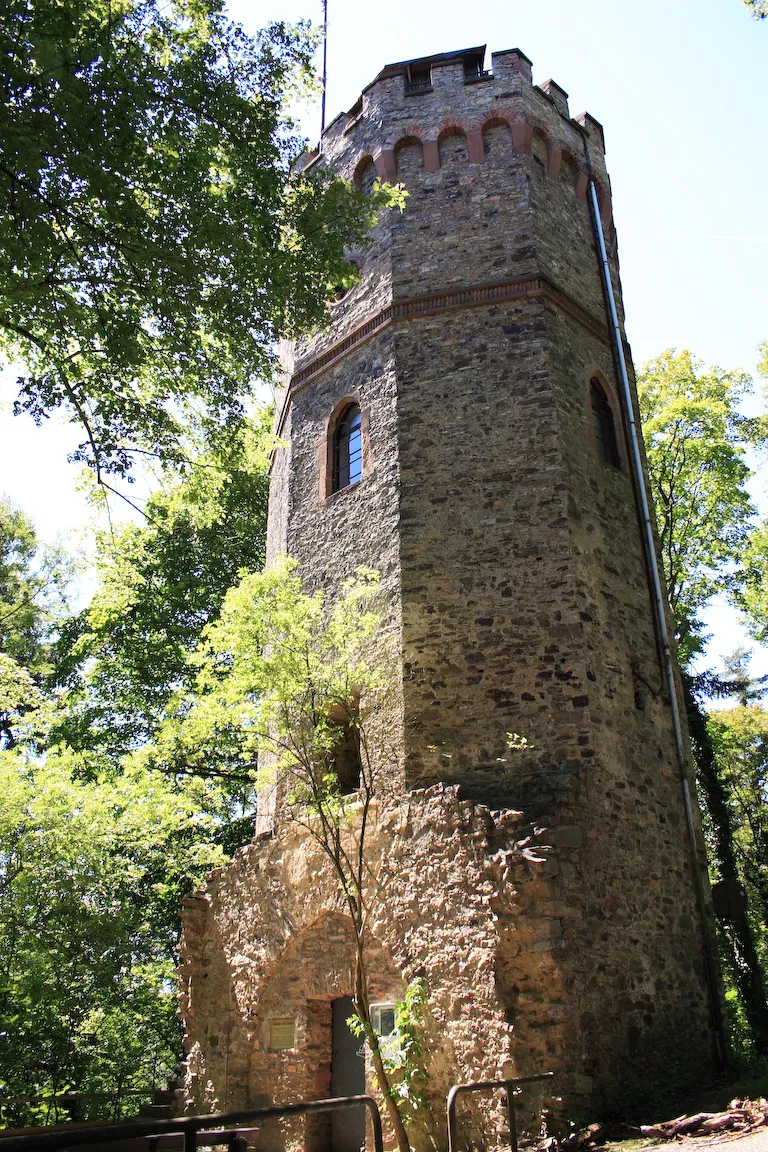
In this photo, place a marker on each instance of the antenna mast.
(325, 68)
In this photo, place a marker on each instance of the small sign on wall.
(282, 1032)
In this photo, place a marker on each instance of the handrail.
(188, 1126)
(483, 1086)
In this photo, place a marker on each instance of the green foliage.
(155, 241)
(20, 702)
(696, 440)
(758, 8)
(752, 596)
(125, 657)
(97, 852)
(33, 588)
(90, 880)
(762, 365)
(402, 1053)
(740, 739)
(280, 676)
(408, 1060)
(735, 679)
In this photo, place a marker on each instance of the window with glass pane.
(383, 1019)
(605, 430)
(348, 449)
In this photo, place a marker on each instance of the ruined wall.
(460, 899)
(490, 913)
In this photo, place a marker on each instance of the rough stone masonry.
(544, 894)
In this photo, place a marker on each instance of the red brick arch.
(604, 203)
(412, 132)
(405, 141)
(503, 119)
(472, 138)
(451, 128)
(360, 168)
(567, 159)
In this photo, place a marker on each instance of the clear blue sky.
(680, 88)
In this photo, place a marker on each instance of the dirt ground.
(735, 1141)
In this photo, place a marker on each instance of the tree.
(97, 852)
(758, 8)
(696, 440)
(735, 679)
(752, 595)
(737, 931)
(740, 740)
(91, 877)
(155, 240)
(33, 598)
(123, 658)
(292, 676)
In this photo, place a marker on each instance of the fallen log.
(740, 1116)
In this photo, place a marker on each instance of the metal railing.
(420, 83)
(508, 1087)
(195, 1130)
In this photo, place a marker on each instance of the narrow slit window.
(345, 753)
(347, 762)
(603, 424)
(348, 449)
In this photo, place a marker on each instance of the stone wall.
(459, 898)
(490, 913)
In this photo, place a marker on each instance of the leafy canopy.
(154, 241)
(277, 671)
(696, 441)
(91, 876)
(161, 582)
(752, 596)
(740, 740)
(34, 581)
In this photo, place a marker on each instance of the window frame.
(620, 464)
(390, 1045)
(328, 449)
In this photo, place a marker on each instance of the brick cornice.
(416, 307)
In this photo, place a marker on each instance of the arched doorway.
(309, 989)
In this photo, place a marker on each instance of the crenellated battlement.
(423, 101)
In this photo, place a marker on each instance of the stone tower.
(460, 427)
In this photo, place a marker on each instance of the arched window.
(602, 422)
(347, 449)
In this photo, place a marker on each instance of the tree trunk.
(738, 932)
(362, 1009)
